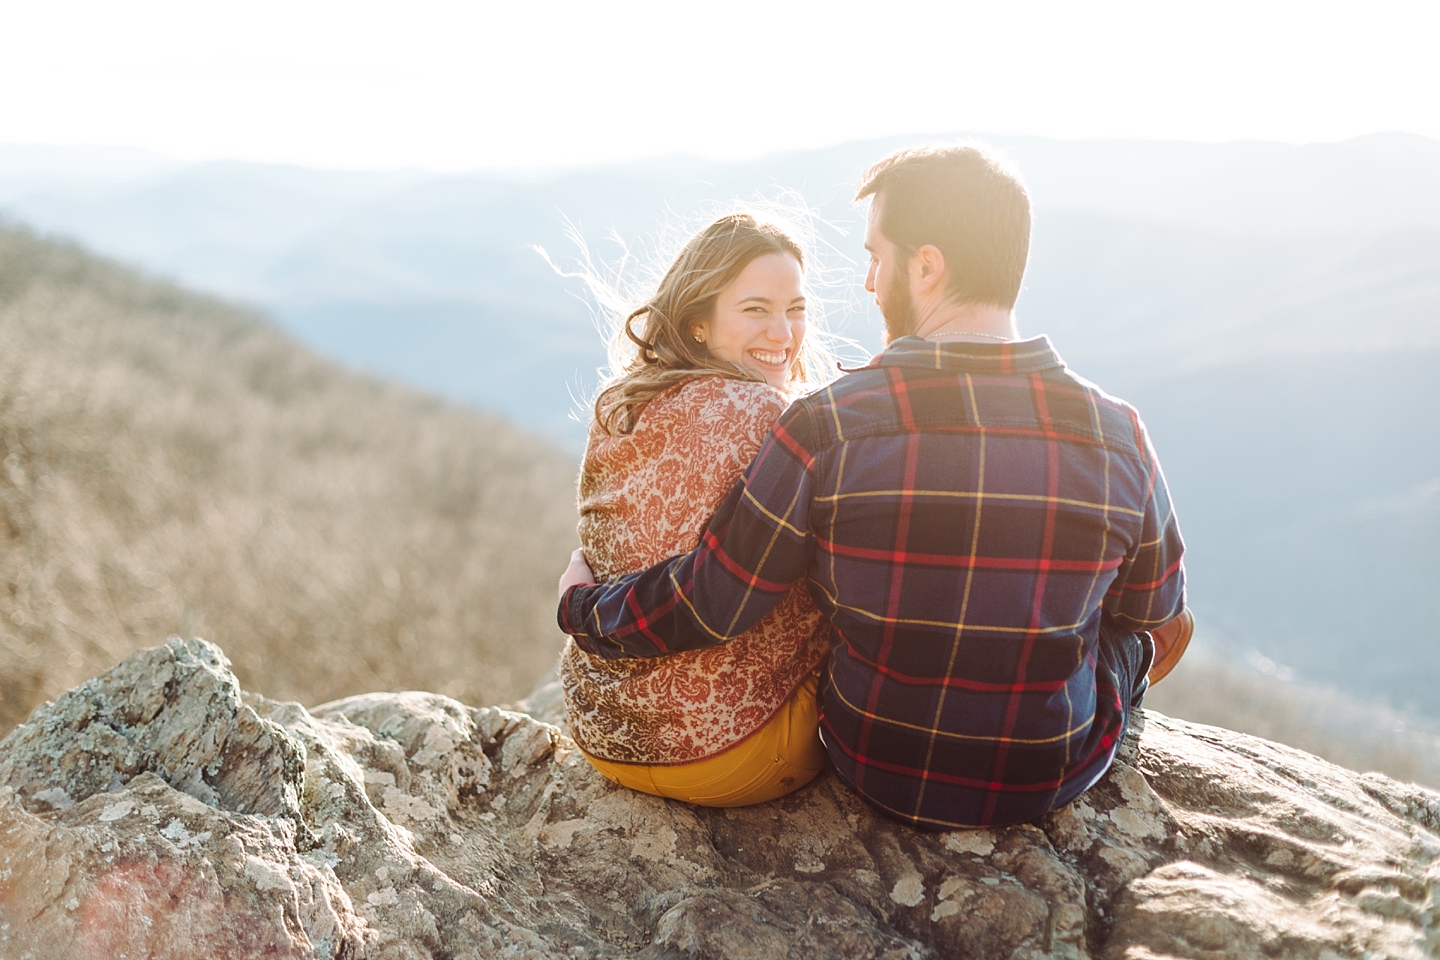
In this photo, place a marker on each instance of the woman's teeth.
(772, 357)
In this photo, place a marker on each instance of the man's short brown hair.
(964, 200)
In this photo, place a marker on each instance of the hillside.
(174, 464)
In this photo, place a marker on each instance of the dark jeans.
(1125, 657)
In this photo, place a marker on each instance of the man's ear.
(928, 269)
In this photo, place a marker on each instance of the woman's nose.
(779, 330)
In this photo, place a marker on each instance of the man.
(986, 532)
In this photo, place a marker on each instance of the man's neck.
(979, 322)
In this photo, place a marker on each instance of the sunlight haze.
(454, 86)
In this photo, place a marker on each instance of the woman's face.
(759, 319)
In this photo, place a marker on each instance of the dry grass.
(173, 464)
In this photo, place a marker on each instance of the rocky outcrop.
(157, 811)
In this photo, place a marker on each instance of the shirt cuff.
(570, 613)
(575, 609)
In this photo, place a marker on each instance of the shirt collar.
(1019, 356)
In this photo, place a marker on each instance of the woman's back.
(648, 495)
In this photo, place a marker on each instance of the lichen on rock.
(157, 811)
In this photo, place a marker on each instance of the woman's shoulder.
(711, 413)
(747, 399)
(736, 414)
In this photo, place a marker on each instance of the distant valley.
(1274, 311)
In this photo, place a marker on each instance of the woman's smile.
(776, 359)
(759, 319)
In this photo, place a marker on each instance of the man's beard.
(897, 309)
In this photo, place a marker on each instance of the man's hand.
(577, 573)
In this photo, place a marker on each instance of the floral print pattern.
(646, 497)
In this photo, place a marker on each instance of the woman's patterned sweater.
(648, 496)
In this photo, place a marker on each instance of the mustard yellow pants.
(781, 756)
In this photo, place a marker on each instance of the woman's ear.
(697, 333)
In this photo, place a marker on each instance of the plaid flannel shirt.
(965, 515)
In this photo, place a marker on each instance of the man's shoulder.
(860, 397)
(1112, 420)
(878, 400)
(852, 385)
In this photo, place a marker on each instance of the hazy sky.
(450, 85)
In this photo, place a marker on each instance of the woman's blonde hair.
(664, 351)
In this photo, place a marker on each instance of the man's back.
(974, 509)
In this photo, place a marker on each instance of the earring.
(698, 338)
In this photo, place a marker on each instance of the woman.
(720, 352)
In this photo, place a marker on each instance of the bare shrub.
(170, 464)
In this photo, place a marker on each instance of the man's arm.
(1149, 589)
(755, 548)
